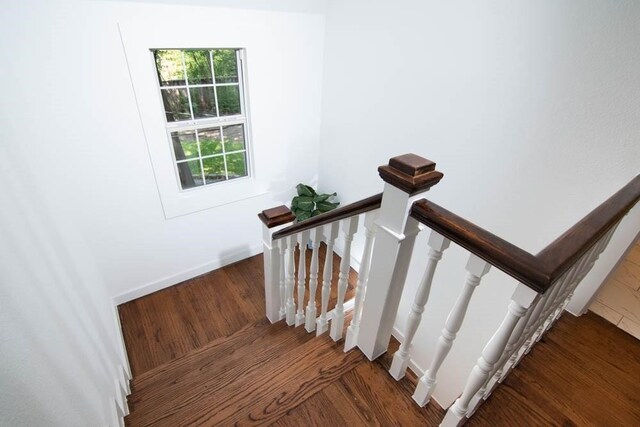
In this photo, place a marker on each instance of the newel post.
(273, 220)
(405, 177)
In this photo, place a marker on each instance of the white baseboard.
(125, 368)
(117, 419)
(186, 275)
(346, 307)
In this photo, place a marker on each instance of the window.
(203, 98)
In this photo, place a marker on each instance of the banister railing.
(536, 271)
(361, 206)
(284, 280)
(393, 219)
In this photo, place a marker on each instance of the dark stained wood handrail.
(347, 211)
(539, 271)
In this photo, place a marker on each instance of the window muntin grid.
(203, 97)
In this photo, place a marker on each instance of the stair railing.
(546, 283)
(393, 219)
(284, 278)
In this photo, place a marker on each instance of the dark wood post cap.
(276, 216)
(410, 173)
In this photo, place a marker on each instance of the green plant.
(308, 203)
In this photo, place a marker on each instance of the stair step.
(251, 377)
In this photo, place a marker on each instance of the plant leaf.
(305, 203)
(326, 206)
(303, 216)
(305, 190)
(321, 197)
(294, 202)
(315, 213)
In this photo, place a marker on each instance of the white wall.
(308, 6)
(82, 222)
(96, 152)
(529, 108)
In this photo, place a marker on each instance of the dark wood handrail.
(347, 211)
(539, 271)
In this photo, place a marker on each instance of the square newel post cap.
(410, 173)
(276, 216)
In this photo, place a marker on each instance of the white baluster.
(303, 238)
(532, 320)
(496, 372)
(561, 291)
(549, 304)
(438, 244)
(476, 268)
(282, 246)
(521, 300)
(349, 227)
(530, 330)
(584, 265)
(363, 275)
(331, 233)
(316, 238)
(289, 281)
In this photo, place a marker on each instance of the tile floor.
(619, 299)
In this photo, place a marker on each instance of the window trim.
(138, 39)
(209, 122)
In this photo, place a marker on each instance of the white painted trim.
(125, 379)
(121, 398)
(186, 275)
(347, 306)
(126, 367)
(116, 419)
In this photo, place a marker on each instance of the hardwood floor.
(202, 353)
(169, 323)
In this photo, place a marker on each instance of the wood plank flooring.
(202, 353)
(174, 321)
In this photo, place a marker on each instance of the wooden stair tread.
(224, 382)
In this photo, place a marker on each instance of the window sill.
(179, 203)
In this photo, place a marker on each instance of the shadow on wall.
(59, 359)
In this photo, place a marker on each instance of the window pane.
(236, 165)
(190, 174)
(210, 141)
(198, 66)
(228, 100)
(214, 169)
(169, 67)
(225, 65)
(203, 102)
(176, 104)
(184, 144)
(233, 138)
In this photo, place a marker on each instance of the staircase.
(267, 374)
(254, 376)
(300, 365)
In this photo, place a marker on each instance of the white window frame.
(205, 123)
(138, 42)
